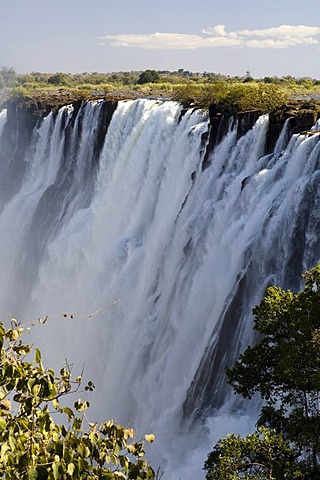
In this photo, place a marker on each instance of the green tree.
(33, 445)
(8, 77)
(284, 366)
(263, 455)
(60, 79)
(248, 77)
(148, 76)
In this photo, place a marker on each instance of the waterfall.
(159, 249)
(3, 119)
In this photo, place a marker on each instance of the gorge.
(157, 229)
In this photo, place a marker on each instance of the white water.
(160, 247)
(3, 119)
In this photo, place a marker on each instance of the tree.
(34, 446)
(7, 76)
(263, 455)
(60, 79)
(148, 76)
(284, 366)
(248, 77)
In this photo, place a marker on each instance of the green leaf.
(55, 470)
(2, 330)
(71, 469)
(36, 390)
(119, 475)
(38, 356)
(69, 412)
(14, 335)
(81, 405)
(77, 423)
(3, 423)
(131, 449)
(31, 383)
(32, 474)
(4, 448)
(150, 438)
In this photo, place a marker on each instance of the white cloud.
(283, 36)
(282, 43)
(284, 31)
(217, 30)
(171, 41)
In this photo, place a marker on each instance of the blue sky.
(274, 37)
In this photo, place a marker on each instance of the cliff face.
(23, 116)
(17, 133)
(22, 119)
(301, 118)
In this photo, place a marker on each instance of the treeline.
(231, 94)
(200, 89)
(9, 78)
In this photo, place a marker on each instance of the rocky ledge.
(302, 115)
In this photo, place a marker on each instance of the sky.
(264, 37)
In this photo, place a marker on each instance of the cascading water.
(3, 119)
(171, 255)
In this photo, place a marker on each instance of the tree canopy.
(149, 76)
(263, 455)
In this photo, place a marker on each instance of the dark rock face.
(22, 119)
(16, 136)
(108, 109)
(220, 124)
(275, 126)
(302, 118)
(246, 121)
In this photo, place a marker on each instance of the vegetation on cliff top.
(229, 93)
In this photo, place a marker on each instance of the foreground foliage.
(33, 445)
